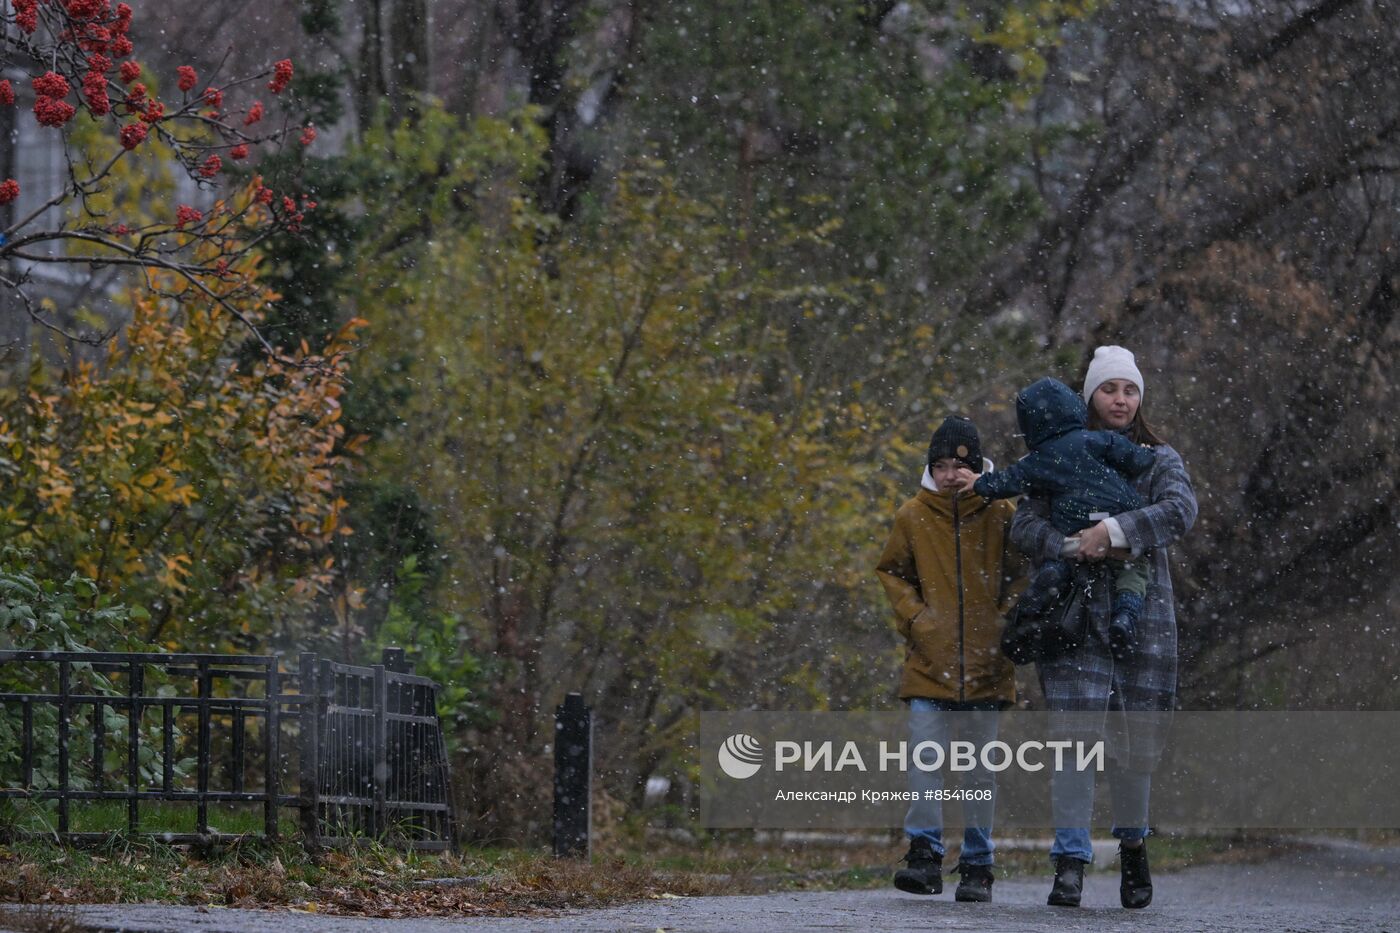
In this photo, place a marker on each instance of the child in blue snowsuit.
(1084, 474)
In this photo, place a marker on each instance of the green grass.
(110, 816)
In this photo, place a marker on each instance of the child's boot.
(1049, 582)
(1122, 628)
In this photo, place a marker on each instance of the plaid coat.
(1087, 680)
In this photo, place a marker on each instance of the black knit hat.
(956, 437)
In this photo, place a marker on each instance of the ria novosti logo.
(740, 756)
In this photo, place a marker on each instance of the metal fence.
(382, 763)
(358, 751)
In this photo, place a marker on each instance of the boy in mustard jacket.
(951, 575)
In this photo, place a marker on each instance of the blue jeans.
(1072, 802)
(929, 722)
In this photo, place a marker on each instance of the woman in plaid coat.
(1088, 680)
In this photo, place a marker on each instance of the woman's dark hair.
(1139, 432)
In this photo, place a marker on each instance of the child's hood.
(1048, 408)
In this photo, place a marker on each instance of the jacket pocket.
(934, 639)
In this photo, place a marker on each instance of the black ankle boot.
(1122, 627)
(976, 883)
(1136, 887)
(924, 873)
(1069, 882)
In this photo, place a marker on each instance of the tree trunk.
(370, 86)
(408, 57)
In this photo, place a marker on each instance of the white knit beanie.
(1112, 363)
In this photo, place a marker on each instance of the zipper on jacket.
(957, 563)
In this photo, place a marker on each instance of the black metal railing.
(81, 728)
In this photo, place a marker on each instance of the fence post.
(206, 693)
(63, 685)
(272, 746)
(135, 687)
(396, 660)
(573, 777)
(401, 752)
(445, 780)
(310, 716)
(381, 749)
(167, 746)
(99, 745)
(26, 765)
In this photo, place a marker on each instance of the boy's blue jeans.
(929, 721)
(1072, 802)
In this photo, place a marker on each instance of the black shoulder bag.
(1058, 629)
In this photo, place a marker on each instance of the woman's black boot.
(976, 883)
(1136, 888)
(1069, 882)
(924, 874)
